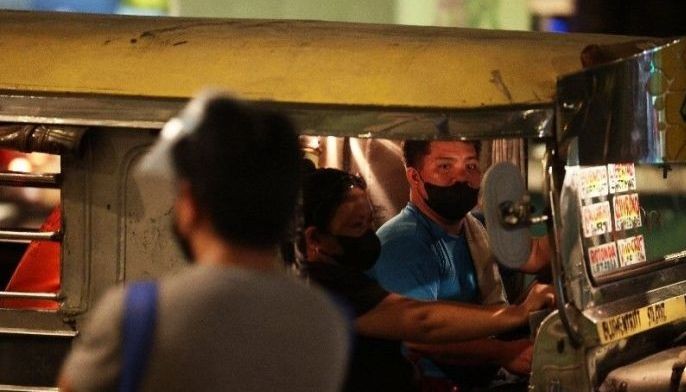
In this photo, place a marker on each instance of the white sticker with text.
(621, 177)
(603, 258)
(596, 219)
(592, 182)
(631, 250)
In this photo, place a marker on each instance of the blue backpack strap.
(139, 317)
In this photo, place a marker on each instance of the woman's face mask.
(451, 202)
(359, 253)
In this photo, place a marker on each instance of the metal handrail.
(29, 295)
(13, 235)
(35, 180)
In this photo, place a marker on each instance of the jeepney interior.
(601, 152)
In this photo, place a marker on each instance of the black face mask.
(451, 202)
(359, 253)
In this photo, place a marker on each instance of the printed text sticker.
(596, 219)
(627, 211)
(603, 258)
(631, 250)
(621, 177)
(592, 182)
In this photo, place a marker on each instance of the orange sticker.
(627, 211)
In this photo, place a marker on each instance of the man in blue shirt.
(434, 249)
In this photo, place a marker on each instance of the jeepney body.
(99, 89)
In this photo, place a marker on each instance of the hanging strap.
(140, 314)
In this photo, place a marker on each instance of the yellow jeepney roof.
(302, 62)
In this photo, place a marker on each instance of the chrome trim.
(30, 235)
(39, 332)
(19, 388)
(530, 121)
(28, 295)
(35, 180)
(627, 110)
(556, 262)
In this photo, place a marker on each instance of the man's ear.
(185, 208)
(412, 176)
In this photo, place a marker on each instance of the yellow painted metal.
(284, 61)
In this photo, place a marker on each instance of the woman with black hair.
(337, 244)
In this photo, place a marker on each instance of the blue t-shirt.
(420, 260)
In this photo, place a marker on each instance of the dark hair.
(243, 166)
(323, 192)
(414, 151)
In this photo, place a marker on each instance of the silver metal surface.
(557, 261)
(64, 333)
(30, 235)
(18, 388)
(627, 110)
(37, 180)
(114, 230)
(28, 295)
(53, 139)
(533, 121)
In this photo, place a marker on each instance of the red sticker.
(603, 258)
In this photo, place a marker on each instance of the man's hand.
(540, 296)
(517, 356)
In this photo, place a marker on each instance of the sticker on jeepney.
(627, 211)
(631, 250)
(596, 219)
(621, 177)
(603, 258)
(592, 181)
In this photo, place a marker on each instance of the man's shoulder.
(406, 226)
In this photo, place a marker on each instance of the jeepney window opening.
(30, 230)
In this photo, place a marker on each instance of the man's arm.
(402, 318)
(515, 355)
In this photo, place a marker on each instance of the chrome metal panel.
(559, 365)
(87, 110)
(628, 110)
(109, 235)
(529, 121)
